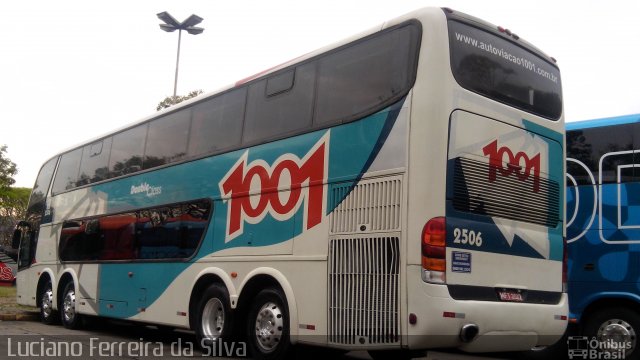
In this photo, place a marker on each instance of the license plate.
(510, 296)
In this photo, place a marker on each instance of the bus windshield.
(499, 69)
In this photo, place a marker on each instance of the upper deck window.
(342, 85)
(501, 70)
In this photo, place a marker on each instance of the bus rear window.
(501, 70)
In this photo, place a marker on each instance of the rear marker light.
(453, 315)
(434, 251)
(560, 317)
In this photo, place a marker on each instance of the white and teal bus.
(402, 189)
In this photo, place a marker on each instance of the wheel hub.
(269, 326)
(47, 301)
(618, 332)
(213, 319)
(69, 306)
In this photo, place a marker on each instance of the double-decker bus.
(402, 189)
(603, 231)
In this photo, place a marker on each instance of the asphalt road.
(120, 340)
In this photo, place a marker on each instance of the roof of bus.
(615, 120)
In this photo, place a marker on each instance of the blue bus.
(603, 231)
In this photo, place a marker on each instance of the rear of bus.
(485, 191)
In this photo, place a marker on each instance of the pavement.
(20, 316)
(11, 311)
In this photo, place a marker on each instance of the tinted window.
(280, 83)
(167, 139)
(127, 150)
(361, 77)
(27, 249)
(283, 108)
(494, 67)
(68, 168)
(343, 85)
(95, 162)
(37, 201)
(611, 146)
(170, 232)
(217, 123)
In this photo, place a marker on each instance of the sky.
(73, 70)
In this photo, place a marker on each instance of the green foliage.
(8, 170)
(13, 208)
(172, 100)
(13, 201)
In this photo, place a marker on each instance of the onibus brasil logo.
(255, 189)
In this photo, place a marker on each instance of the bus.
(603, 231)
(8, 268)
(397, 190)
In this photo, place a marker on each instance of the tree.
(172, 100)
(13, 208)
(8, 170)
(13, 201)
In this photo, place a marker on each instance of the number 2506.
(466, 236)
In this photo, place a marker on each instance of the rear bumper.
(501, 326)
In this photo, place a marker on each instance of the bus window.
(37, 201)
(170, 232)
(608, 147)
(356, 79)
(127, 150)
(494, 67)
(67, 174)
(95, 161)
(167, 139)
(272, 113)
(217, 123)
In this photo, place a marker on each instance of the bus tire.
(614, 323)
(48, 315)
(268, 326)
(68, 314)
(214, 317)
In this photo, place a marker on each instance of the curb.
(23, 316)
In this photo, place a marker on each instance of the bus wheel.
(615, 329)
(70, 318)
(214, 316)
(47, 314)
(268, 326)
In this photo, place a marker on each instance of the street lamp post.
(171, 25)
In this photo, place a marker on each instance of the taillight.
(434, 251)
(565, 265)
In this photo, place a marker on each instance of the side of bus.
(603, 228)
(284, 221)
(375, 195)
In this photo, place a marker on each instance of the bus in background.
(394, 191)
(8, 267)
(603, 230)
